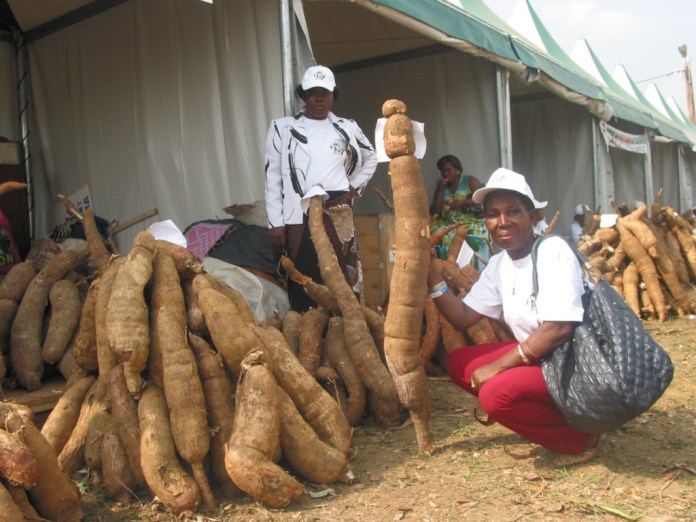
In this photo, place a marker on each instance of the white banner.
(637, 143)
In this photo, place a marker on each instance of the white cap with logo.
(318, 76)
(505, 179)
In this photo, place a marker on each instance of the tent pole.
(602, 168)
(685, 194)
(598, 172)
(502, 88)
(286, 55)
(649, 192)
(22, 75)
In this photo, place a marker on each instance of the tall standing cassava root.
(407, 290)
(360, 344)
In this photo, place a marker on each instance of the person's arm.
(542, 342)
(274, 189)
(359, 179)
(436, 205)
(559, 308)
(458, 314)
(469, 203)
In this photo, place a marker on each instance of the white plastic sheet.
(262, 296)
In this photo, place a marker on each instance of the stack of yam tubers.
(648, 256)
(173, 389)
(177, 391)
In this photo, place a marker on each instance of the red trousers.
(516, 398)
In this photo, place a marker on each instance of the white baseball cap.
(318, 76)
(505, 179)
(580, 209)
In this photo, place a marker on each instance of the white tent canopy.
(165, 103)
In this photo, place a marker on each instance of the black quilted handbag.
(611, 370)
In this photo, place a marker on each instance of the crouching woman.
(506, 376)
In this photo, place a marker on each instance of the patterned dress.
(477, 237)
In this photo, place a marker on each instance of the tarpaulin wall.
(166, 104)
(157, 103)
(552, 147)
(665, 172)
(630, 184)
(452, 93)
(689, 162)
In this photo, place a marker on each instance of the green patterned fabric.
(477, 233)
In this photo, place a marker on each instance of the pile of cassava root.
(649, 257)
(174, 390)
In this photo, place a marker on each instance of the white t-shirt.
(327, 152)
(505, 287)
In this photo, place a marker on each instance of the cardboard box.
(375, 236)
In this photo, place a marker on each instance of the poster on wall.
(619, 139)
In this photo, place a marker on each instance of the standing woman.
(506, 376)
(452, 203)
(316, 148)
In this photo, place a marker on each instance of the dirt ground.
(646, 470)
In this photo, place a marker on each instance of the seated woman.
(507, 376)
(452, 203)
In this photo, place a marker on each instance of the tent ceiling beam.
(82, 13)
(535, 96)
(401, 56)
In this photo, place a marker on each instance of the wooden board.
(375, 236)
(43, 399)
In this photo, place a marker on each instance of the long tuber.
(85, 351)
(182, 386)
(164, 474)
(337, 354)
(127, 330)
(219, 398)
(312, 327)
(360, 343)
(407, 289)
(65, 315)
(28, 323)
(61, 421)
(124, 420)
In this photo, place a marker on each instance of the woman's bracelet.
(525, 346)
(438, 289)
(523, 356)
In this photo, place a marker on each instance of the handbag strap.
(584, 264)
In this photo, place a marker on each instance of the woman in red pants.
(506, 376)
